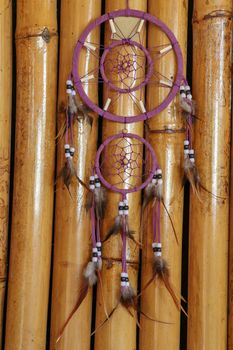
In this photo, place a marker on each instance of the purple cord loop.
(80, 86)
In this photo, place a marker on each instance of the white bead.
(69, 91)
(95, 250)
(182, 87)
(190, 97)
(123, 283)
(107, 104)
(73, 92)
(67, 146)
(159, 171)
(98, 244)
(92, 178)
(140, 25)
(186, 142)
(95, 259)
(72, 149)
(165, 49)
(89, 46)
(98, 185)
(186, 151)
(99, 254)
(191, 151)
(124, 274)
(192, 160)
(183, 95)
(126, 212)
(96, 176)
(120, 212)
(141, 104)
(67, 155)
(160, 181)
(92, 187)
(156, 245)
(154, 181)
(127, 284)
(69, 82)
(187, 87)
(126, 201)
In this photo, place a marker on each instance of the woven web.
(127, 65)
(123, 163)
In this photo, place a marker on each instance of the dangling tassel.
(160, 267)
(127, 294)
(68, 172)
(91, 272)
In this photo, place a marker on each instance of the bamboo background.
(44, 234)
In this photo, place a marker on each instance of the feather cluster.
(192, 175)
(117, 227)
(128, 296)
(90, 273)
(100, 198)
(188, 106)
(82, 111)
(162, 273)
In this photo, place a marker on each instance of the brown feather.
(161, 271)
(106, 319)
(173, 227)
(82, 296)
(192, 175)
(61, 131)
(149, 195)
(68, 174)
(83, 112)
(102, 293)
(89, 200)
(128, 297)
(100, 197)
(115, 229)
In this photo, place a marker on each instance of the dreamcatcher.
(125, 162)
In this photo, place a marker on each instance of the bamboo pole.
(30, 250)
(168, 146)
(72, 223)
(207, 323)
(120, 331)
(5, 131)
(230, 269)
(230, 295)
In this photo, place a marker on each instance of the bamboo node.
(46, 36)
(215, 14)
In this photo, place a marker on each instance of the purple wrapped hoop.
(143, 143)
(127, 41)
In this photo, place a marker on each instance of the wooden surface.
(207, 324)
(32, 217)
(5, 134)
(168, 145)
(120, 331)
(72, 222)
